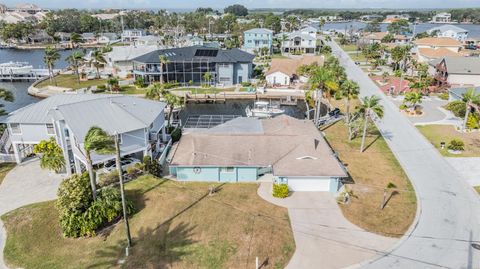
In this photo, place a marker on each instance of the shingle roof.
(282, 144)
(190, 54)
(289, 66)
(463, 65)
(437, 53)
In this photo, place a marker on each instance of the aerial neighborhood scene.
(240, 134)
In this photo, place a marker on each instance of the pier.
(288, 98)
(33, 75)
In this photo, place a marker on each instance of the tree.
(388, 38)
(389, 186)
(98, 141)
(207, 76)
(319, 78)
(412, 99)
(5, 95)
(163, 63)
(399, 27)
(51, 155)
(172, 101)
(50, 57)
(113, 84)
(470, 98)
(237, 10)
(74, 60)
(370, 105)
(349, 90)
(75, 39)
(98, 59)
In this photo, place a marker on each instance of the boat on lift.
(263, 109)
(15, 68)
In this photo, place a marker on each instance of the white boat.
(15, 68)
(262, 109)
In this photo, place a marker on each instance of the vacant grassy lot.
(176, 226)
(4, 169)
(70, 81)
(370, 172)
(349, 47)
(445, 133)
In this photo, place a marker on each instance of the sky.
(220, 4)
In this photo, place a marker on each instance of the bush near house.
(176, 135)
(280, 190)
(456, 144)
(473, 121)
(458, 108)
(443, 96)
(79, 214)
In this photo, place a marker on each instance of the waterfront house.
(149, 40)
(451, 31)
(442, 17)
(68, 117)
(284, 72)
(120, 59)
(458, 72)
(303, 41)
(107, 38)
(283, 148)
(429, 48)
(379, 37)
(132, 35)
(257, 38)
(188, 65)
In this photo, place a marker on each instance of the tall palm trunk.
(467, 113)
(170, 112)
(364, 131)
(93, 183)
(98, 70)
(78, 74)
(347, 109)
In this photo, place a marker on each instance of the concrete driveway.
(25, 184)
(323, 237)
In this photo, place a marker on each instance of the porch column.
(78, 167)
(164, 133)
(16, 153)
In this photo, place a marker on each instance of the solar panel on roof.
(206, 53)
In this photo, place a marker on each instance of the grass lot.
(131, 89)
(445, 133)
(371, 171)
(70, 81)
(358, 58)
(349, 47)
(176, 226)
(4, 169)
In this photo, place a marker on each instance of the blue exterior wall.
(335, 184)
(253, 40)
(239, 174)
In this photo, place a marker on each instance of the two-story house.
(132, 35)
(451, 31)
(457, 72)
(257, 38)
(188, 65)
(140, 124)
(431, 48)
(303, 41)
(442, 17)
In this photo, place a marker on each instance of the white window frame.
(226, 169)
(19, 128)
(53, 128)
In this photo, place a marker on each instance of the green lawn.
(358, 58)
(370, 172)
(349, 47)
(132, 89)
(4, 169)
(70, 81)
(176, 226)
(445, 133)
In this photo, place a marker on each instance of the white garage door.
(309, 184)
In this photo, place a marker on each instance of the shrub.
(79, 214)
(456, 144)
(246, 84)
(51, 155)
(458, 108)
(473, 121)
(403, 107)
(280, 190)
(443, 96)
(139, 82)
(176, 135)
(151, 166)
(108, 178)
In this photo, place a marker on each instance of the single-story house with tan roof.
(431, 48)
(283, 72)
(377, 37)
(425, 55)
(284, 149)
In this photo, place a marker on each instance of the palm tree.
(154, 91)
(75, 39)
(349, 90)
(50, 57)
(318, 79)
(370, 104)
(470, 97)
(97, 58)
(5, 95)
(98, 141)
(74, 60)
(413, 98)
(207, 77)
(163, 63)
(113, 84)
(172, 101)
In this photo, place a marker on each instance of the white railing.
(163, 156)
(5, 142)
(7, 158)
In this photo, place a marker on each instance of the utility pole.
(122, 192)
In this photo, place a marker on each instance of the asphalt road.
(447, 221)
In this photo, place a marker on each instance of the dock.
(33, 75)
(285, 98)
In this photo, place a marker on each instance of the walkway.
(25, 184)
(468, 167)
(323, 237)
(447, 219)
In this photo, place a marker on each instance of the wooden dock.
(33, 75)
(289, 99)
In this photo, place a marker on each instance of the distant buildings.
(132, 35)
(432, 48)
(396, 17)
(458, 71)
(303, 41)
(451, 31)
(188, 65)
(443, 17)
(106, 16)
(22, 13)
(284, 72)
(378, 37)
(371, 17)
(257, 38)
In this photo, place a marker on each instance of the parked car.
(111, 165)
